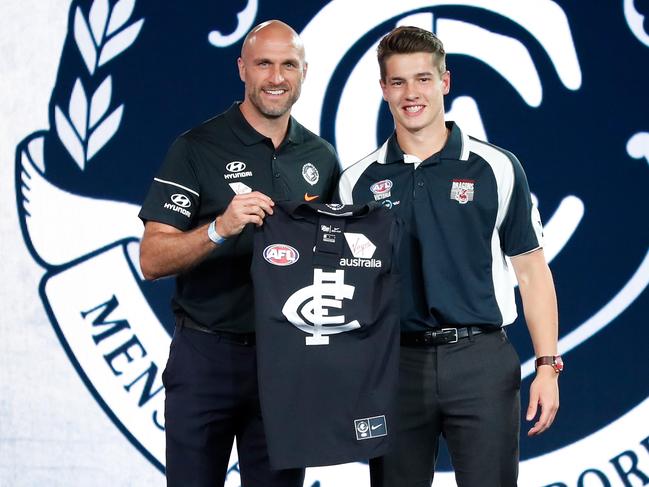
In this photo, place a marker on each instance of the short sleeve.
(521, 230)
(173, 197)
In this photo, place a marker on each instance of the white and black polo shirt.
(465, 209)
(203, 170)
(327, 322)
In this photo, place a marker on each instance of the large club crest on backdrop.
(133, 76)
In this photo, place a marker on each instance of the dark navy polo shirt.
(203, 170)
(465, 209)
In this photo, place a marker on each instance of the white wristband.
(213, 235)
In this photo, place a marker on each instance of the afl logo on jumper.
(281, 255)
(381, 189)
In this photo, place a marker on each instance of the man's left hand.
(544, 393)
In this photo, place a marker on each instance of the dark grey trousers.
(467, 391)
(212, 398)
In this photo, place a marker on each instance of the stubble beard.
(273, 110)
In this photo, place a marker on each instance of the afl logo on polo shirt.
(381, 189)
(281, 255)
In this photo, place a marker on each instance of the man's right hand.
(243, 209)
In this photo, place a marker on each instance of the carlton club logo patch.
(462, 190)
(310, 174)
(281, 255)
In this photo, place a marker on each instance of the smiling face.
(272, 67)
(414, 90)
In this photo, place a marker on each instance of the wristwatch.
(554, 360)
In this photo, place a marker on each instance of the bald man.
(217, 182)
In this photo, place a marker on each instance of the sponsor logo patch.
(237, 169)
(360, 245)
(179, 205)
(373, 427)
(181, 200)
(240, 188)
(236, 166)
(281, 254)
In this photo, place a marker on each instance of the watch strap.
(552, 360)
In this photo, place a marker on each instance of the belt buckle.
(454, 330)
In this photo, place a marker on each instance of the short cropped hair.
(410, 40)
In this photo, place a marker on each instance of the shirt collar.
(249, 136)
(456, 147)
(300, 210)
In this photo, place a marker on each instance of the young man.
(218, 181)
(466, 206)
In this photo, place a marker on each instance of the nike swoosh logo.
(377, 426)
(308, 197)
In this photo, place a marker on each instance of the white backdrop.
(52, 431)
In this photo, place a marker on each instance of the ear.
(383, 89)
(446, 82)
(304, 70)
(242, 69)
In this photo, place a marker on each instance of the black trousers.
(211, 399)
(469, 392)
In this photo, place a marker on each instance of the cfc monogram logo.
(308, 308)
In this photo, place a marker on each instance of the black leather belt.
(442, 336)
(226, 336)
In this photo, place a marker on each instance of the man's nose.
(411, 91)
(276, 75)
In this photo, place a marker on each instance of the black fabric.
(217, 293)
(317, 387)
(441, 336)
(205, 410)
(469, 392)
